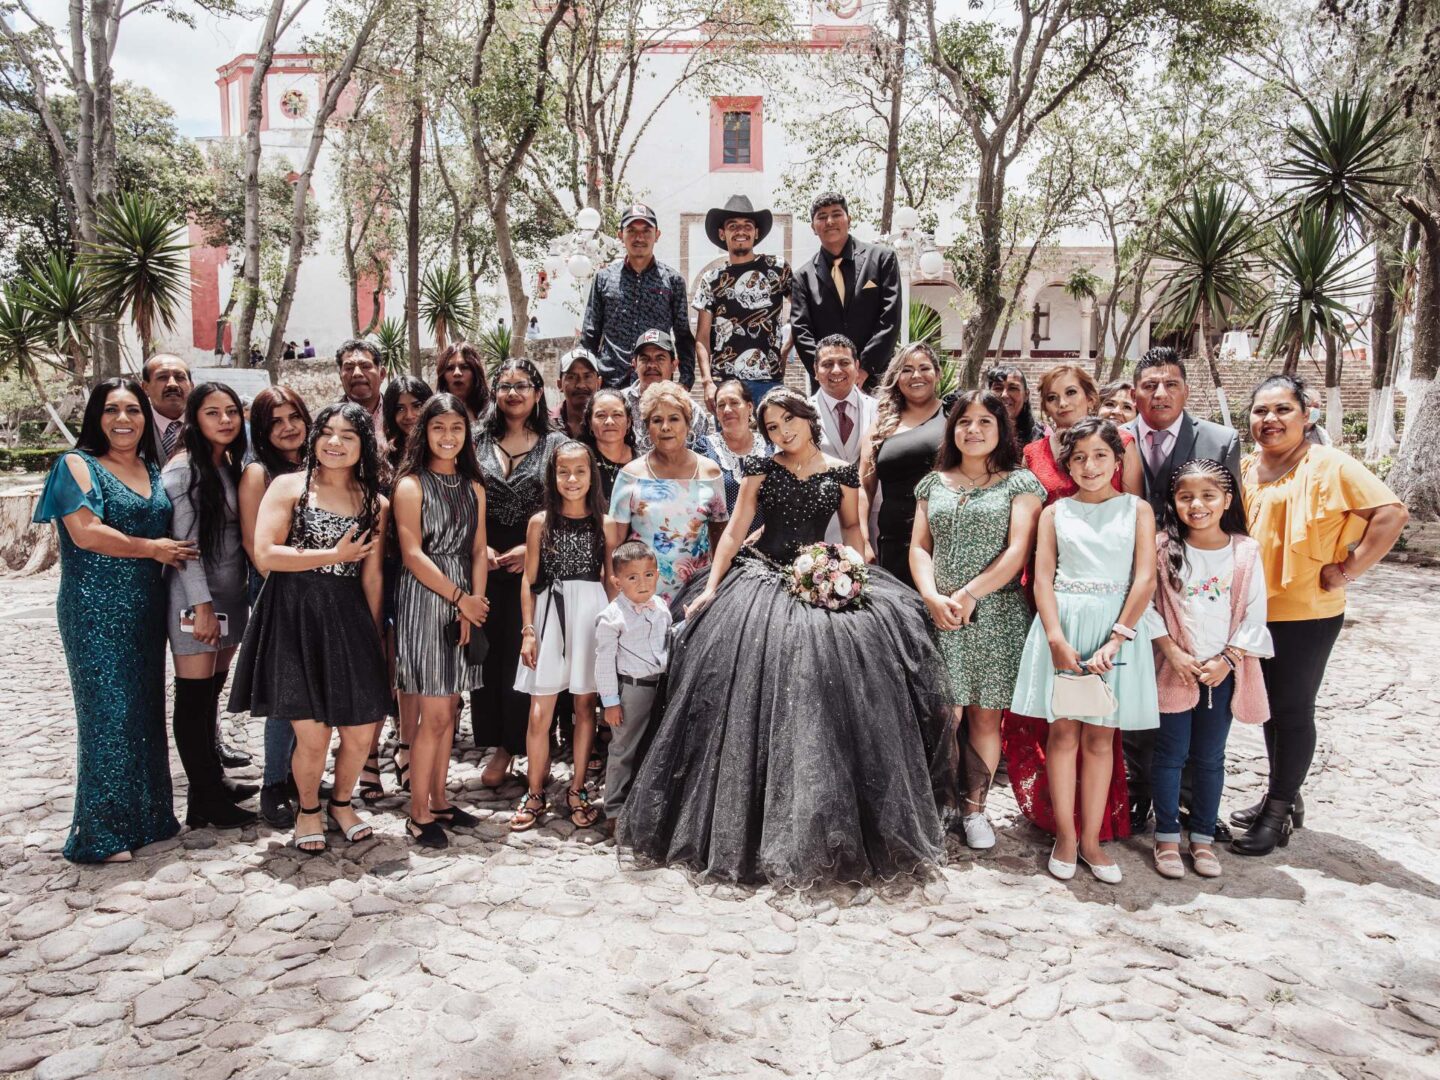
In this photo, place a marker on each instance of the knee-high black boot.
(235, 790)
(194, 727)
(1271, 829)
(231, 757)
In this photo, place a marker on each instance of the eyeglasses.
(514, 387)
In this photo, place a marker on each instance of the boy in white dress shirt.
(631, 643)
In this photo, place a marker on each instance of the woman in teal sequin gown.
(111, 611)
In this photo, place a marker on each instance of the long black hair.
(479, 397)
(206, 490)
(1232, 521)
(417, 452)
(1005, 456)
(420, 390)
(587, 428)
(554, 508)
(262, 422)
(367, 468)
(538, 421)
(92, 438)
(1024, 423)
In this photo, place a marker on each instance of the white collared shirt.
(1142, 435)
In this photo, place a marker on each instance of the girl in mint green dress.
(1094, 576)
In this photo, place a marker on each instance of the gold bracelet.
(528, 628)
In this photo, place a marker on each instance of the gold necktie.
(837, 275)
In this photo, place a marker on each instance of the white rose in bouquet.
(804, 564)
(844, 586)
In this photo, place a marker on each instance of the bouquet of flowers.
(830, 576)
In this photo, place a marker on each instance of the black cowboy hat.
(737, 206)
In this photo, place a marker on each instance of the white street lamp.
(588, 219)
(932, 264)
(580, 266)
(906, 218)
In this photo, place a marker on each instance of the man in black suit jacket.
(1167, 437)
(850, 288)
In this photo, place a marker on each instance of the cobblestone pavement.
(217, 955)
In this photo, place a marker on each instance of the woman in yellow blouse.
(1322, 519)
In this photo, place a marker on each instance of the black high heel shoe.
(1272, 829)
(1243, 819)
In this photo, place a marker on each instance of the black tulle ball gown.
(798, 745)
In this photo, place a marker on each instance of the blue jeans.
(760, 387)
(279, 745)
(1198, 735)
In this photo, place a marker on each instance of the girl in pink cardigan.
(1210, 595)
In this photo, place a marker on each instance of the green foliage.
(1211, 240)
(30, 459)
(393, 339)
(23, 332)
(1083, 284)
(1342, 161)
(1315, 282)
(445, 303)
(139, 266)
(58, 293)
(494, 344)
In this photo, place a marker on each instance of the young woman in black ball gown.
(799, 744)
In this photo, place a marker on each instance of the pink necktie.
(842, 411)
(1157, 449)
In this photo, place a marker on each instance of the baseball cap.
(639, 212)
(654, 337)
(579, 355)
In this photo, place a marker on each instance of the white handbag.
(1080, 697)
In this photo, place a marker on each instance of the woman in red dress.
(1068, 394)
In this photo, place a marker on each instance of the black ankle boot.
(207, 803)
(1271, 829)
(1243, 819)
(275, 805)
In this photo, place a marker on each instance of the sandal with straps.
(585, 814)
(301, 839)
(428, 834)
(370, 786)
(527, 815)
(402, 768)
(354, 833)
(456, 818)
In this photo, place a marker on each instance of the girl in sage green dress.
(974, 523)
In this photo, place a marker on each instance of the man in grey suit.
(845, 413)
(166, 381)
(1168, 437)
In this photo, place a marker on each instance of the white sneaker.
(979, 834)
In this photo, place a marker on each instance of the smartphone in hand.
(187, 622)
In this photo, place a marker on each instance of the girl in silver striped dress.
(440, 601)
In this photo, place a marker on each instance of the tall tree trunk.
(107, 327)
(1416, 476)
(412, 217)
(900, 10)
(1385, 325)
(1222, 400)
(514, 282)
(335, 87)
(990, 301)
(249, 285)
(1334, 410)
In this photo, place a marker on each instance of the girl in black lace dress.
(799, 744)
(312, 651)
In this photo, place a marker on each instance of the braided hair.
(367, 468)
(1232, 521)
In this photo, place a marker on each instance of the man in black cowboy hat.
(737, 334)
(635, 294)
(850, 288)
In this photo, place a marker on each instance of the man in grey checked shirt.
(635, 294)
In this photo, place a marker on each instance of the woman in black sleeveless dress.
(798, 744)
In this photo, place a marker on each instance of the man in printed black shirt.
(738, 332)
(635, 294)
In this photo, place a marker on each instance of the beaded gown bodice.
(796, 511)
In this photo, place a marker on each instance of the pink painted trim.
(719, 106)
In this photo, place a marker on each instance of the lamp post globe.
(588, 219)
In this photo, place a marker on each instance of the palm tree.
(1315, 280)
(494, 346)
(1342, 161)
(1211, 242)
(138, 264)
(445, 303)
(23, 343)
(392, 336)
(61, 297)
